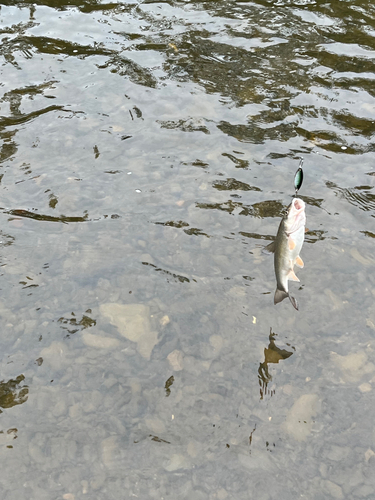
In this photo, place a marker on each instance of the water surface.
(147, 155)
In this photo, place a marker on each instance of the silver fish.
(287, 247)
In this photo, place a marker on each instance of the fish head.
(296, 217)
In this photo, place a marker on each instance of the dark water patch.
(176, 277)
(238, 162)
(172, 223)
(188, 125)
(233, 185)
(24, 118)
(137, 74)
(12, 393)
(45, 218)
(368, 233)
(263, 209)
(195, 232)
(359, 196)
(314, 236)
(73, 325)
(256, 236)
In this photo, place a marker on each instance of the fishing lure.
(298, 178)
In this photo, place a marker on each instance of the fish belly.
(289, 258)
(298, 238)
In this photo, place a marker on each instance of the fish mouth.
(298, 204)
(296, 217)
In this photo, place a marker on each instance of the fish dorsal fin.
(269, 248)
(292, 276)
(299, 262)
(291, 243)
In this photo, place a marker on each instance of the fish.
(286, 248)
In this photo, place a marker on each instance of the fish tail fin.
(280, 295)
(294, 302)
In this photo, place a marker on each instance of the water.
(148, 151)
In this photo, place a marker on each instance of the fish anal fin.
(269, 248)
(291, 276)
(299, 261)
(279, 296)
(291, 243)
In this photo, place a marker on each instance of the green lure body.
(298, 178)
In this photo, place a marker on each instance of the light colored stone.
(221, 494)
(99, 341)
(237, 291)
(164, 320)
(337, 303)
(155, 425)
(217, 342)
(85, 486)
(368, 454)
(333, 489)
(55, 355)
(298, 422)
(365, 387)
(192, 449)
(338, 453)
(109, 448)
(176, 360)
(133, 323)
(353, 366)
(365, 261)
(176, 462)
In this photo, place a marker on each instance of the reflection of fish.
(272, 354)
(287, 246)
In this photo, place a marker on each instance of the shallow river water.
(147, 154)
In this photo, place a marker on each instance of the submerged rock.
(133, 323)
(99, 341)
(353, 366)
(176, 360)
(298, 422)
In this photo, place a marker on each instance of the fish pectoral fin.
(292, 276)
(269, 248)
(291, 243)
(299, 262)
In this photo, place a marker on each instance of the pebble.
(176, 462)
(164, 320)
(353, 366)
(217, 343)
(155, 425)
(99, 341)
(298, 422)
(365, 387)
(333, 489)
(368, 454)
(109, 448)
(55, 355)
(338, 453)
(133, 323)
(176, 360)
